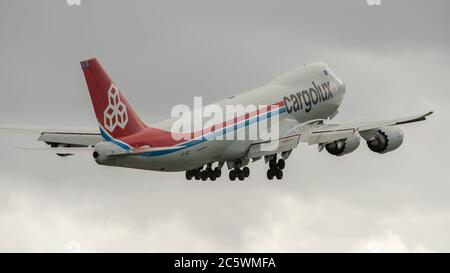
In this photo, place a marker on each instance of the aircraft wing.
(326, 133)
(319, 132)
(61, 137)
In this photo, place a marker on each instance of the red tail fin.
(114, 114)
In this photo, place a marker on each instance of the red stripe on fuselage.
(155, 137)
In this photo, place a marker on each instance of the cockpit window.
(325, 72)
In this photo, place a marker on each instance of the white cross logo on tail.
(116, 112)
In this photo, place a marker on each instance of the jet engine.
(385, 139)
(343, 146)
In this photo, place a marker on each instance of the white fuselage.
(307, 93)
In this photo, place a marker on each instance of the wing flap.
(273, 147)
(325, 137)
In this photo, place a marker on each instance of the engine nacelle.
(343, 146)
(384, 140)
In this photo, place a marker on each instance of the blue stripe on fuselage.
(200, 139)
(118, 143)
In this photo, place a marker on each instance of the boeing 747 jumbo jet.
(295, 107)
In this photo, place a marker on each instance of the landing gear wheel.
(240, 174)
(232, 175)
(213, 177)
(281, 164)
(197, 175)
(209, 172)
(273, 163)
(246, 172)
(204, 175)
(217, 172)
(270, 174)
(279, 174)
(189, 175)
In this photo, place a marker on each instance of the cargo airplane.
(303, 100)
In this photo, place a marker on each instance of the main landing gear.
(238, 170)
(239, 173)
(208, 173)
(276, 168)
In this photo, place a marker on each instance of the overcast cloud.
(393, 58)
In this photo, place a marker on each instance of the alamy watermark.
(73, 2)
(73, 246)
(225, 122)
(373, 2)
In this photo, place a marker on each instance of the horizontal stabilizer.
(60, 151)
(38, 130)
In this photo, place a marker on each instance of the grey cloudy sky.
(394, 59)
